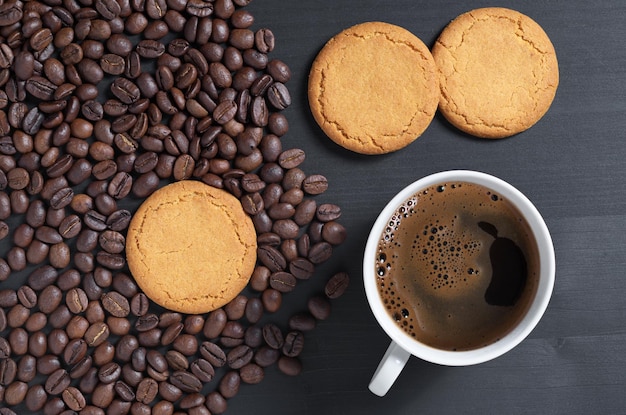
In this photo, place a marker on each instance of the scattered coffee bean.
(72, 163)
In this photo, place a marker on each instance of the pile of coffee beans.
(101, 103)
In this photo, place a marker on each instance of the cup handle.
(388, 369)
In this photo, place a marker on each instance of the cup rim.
(538, 305)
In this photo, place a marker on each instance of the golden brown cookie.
(498, 72)
(191, 247)
(373, 88)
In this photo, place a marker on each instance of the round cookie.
(498, 72)
(191, 247)
(373, 88)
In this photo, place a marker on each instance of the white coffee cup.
(403, 345)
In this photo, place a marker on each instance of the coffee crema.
(457, 266)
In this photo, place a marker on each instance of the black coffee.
(457, 266)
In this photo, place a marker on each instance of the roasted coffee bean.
(334, 233)
(8, 370)
(293, 178)
(150, 338)
(57, 382)
(139, 304)
(81, 368)
(97, 334)
(320, 252)
(229, 384)
(278, 95)
(169, 391)
(252, 373)
(95, 220)
(294, 343)
(186, 344)
(290, 366)
(271, 258)
(76, 300)
(282, 281)
(239, 356)
(272, 300)
(74, 398)
(125, 90)
(186, 381)
(302, 321)
(213, 354)
(150, 49)
(75, 351)
(176, 360)
(319, 306)
(112, 242)
(119, 220)
(171, 333)
(146, 391)
(286, 228)
(203, 370)
(116, 304)
(147, 322)
(124, 391)
(41, 88)
(101, 397)
(301, 268)
(42, 277)
(193, 324)
(273, 336)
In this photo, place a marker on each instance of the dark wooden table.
(571, 165)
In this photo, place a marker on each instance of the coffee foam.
(433, 257)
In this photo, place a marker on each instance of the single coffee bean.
(112, 242)
(125, 90)
(57, 382)
(278, 95)
(272, 300)
(252, 373)
(282, 281)
(75, 351)
(302, 321)
(186, 381)
(116, 304)
(229, 385)
(290, 366)
(124, 391)
(320, 252)
(76, 300)
(171, 333)
(334, 233)
(176, 360)
(202, 369)
(264, 40)
(146, 391)
(97, 334)
(273, 336)
(74, 398)
(147, 322)
(139, 304)
(120, 185)
(294, 343)
(301, 268)
(239, 356)
(319, 306)
(213, 353)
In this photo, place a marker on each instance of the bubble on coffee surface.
(445, 258)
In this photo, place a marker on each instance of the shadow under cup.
(403, 345)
